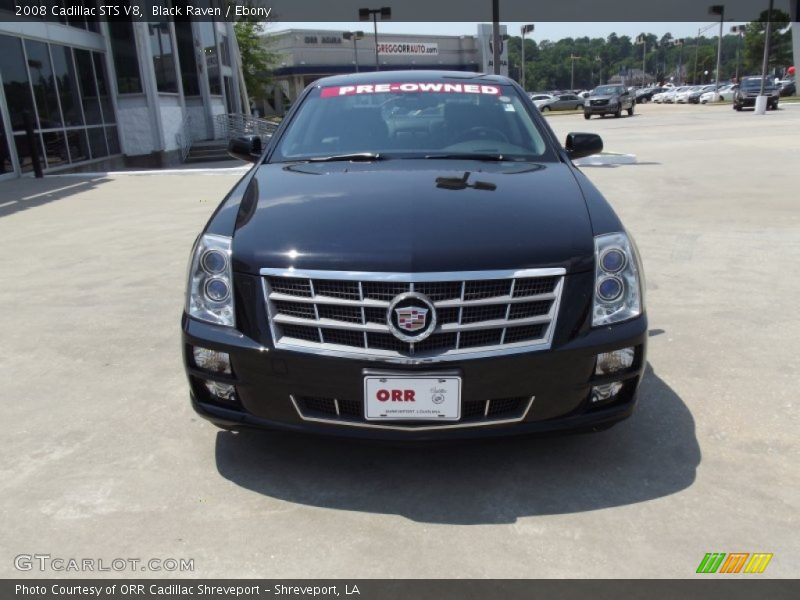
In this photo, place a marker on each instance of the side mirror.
(583, 144)
(247, 147)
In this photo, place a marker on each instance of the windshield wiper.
(470, 156)
(357, 156)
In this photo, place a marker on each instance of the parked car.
(786, 87)
(332, 291)
(694, 96)
(562, 102)
(725, 94)
(539, 100)
(658, 97)
(671, 96)
(646, 94)
(749, 90)
(608, 100)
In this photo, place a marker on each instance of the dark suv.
(608, 100)
(749, 90)
(413, 256)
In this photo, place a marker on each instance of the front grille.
(352, 411)
(496, 311)
(598, 102)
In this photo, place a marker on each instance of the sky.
(543, 31)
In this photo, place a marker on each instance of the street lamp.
(641, 39)
(679, 42)
(364, 14)
(738, 31)
(718, 9)
(761, 102)
(573, 58)
(355, 36)
(523, 30)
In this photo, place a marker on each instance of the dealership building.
(101, 95)
(305, 55)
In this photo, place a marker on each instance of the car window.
(410, 119)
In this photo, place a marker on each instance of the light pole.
(595, 61)
(364, 14)
(718, 9)
(679, 42)
(766, 51)
(738, 30)
(355, 36)
(643, 41)
(523, 30)
(573, 58)
(496, 37)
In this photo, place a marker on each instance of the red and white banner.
(409, 87)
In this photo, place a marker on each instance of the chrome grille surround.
(334, 312)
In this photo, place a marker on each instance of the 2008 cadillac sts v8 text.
(414, 256)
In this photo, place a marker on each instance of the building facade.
(102, 95)
(305, 55)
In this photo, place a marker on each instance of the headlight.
(618, 287)
(209, 292)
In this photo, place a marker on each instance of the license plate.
(421, 398)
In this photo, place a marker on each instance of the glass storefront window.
(113, 140)
(24, 151)
(77, 144)
(126, 62)
(185, 43)
(16, 83)
(91, 103)
(44, 84)
(163, 59)
(67, 85)
(208, 41)
(97, 142)
(55, 149)
(102, 87)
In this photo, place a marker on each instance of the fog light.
(602, 393)
(612, 362)
(223, 391)
(212, 360)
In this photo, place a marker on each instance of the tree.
(257, 58)
(780, 43)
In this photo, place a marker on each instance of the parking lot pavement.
(103, 457)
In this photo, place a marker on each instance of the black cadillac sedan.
(414, 256)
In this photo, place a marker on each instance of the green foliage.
(257, 58)
(780, 42)
(548, 63)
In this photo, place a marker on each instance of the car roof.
(411, 75)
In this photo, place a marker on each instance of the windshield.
(755, 83)
(607, 90)
(412, 120)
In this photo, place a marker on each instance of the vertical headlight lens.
(618, 286)
(208, 294)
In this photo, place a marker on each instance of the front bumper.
(603, 109)
(268, 382)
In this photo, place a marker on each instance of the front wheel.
(545, 108)
(618, 114)
(630, 111)
(587, 116)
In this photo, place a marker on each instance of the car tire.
(630, 110)
(545, 108)
(618, 114)
(737, 107)
(587, 116)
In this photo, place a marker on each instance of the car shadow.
(651, 455)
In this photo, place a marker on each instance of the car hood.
(604, 97)
(393, 216)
